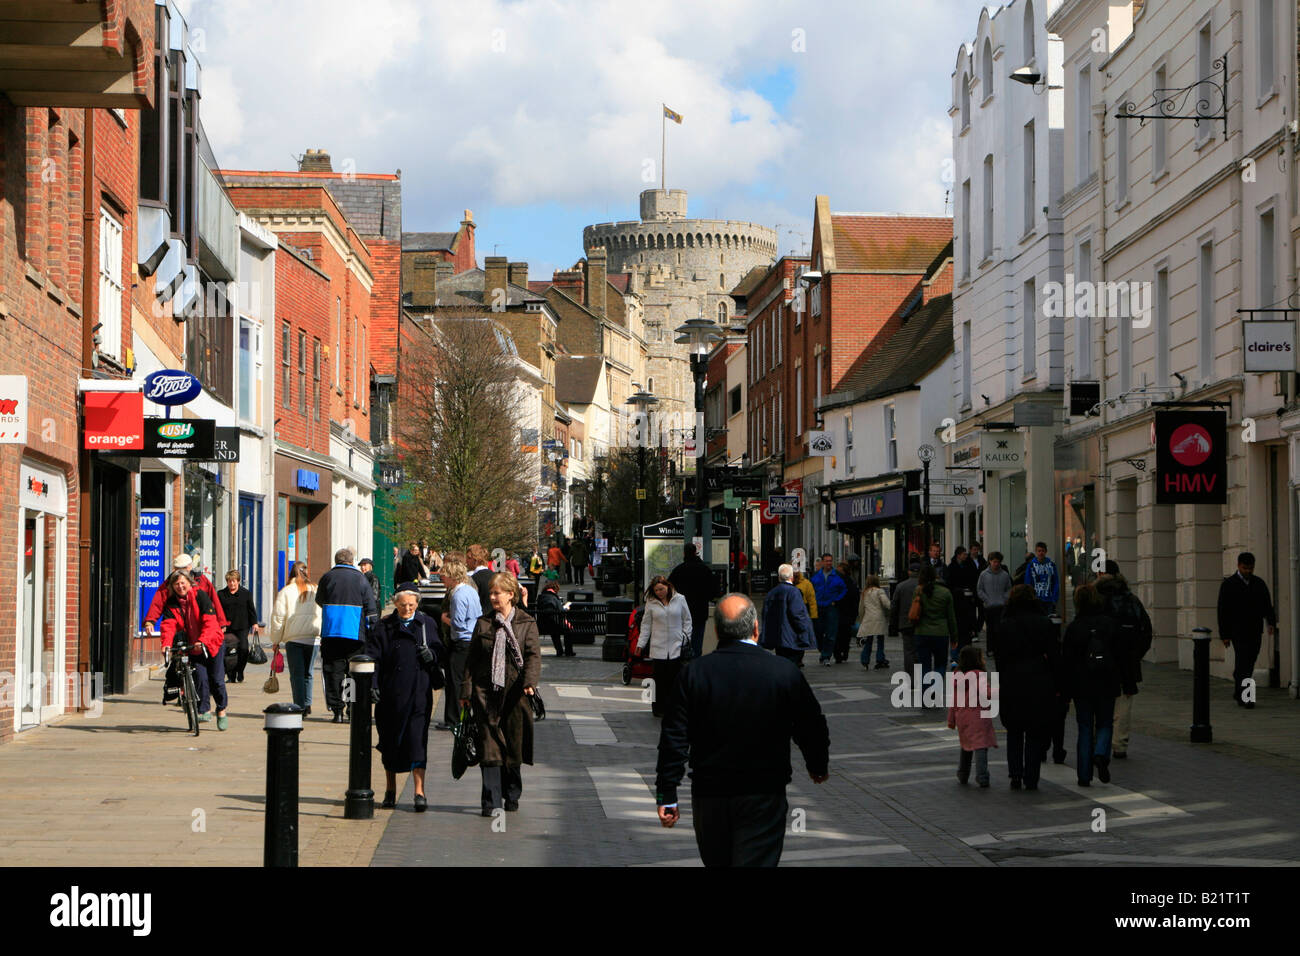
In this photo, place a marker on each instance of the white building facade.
(1007, 371)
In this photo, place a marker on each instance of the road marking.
(788, 856)
(590, 729)
(583, 692)
(624, 794)
(1132, 803)
(853, 693)
(572, 690)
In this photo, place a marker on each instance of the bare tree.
(614, 503)
(466, 479)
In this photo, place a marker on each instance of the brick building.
(67, 200)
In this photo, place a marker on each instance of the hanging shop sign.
(171, 386)
(1002, 451)
(823, 443)
(1269, 346)
(1084, 397)
(225, 444)
(791, 505)
(194, 439)
(1191, 457)
(114, 421)
(13, 409)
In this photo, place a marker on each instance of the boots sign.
(1002, 451)
(1191, 457)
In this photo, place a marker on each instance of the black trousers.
(563, 641)
(1054, 733)
(334, 654)
(239, 639)
(1025, 748)
(1247, 650)
(665, 678)
(790, 654)
(502, 783)
(992, 618)
(740, 831)
(457, 655)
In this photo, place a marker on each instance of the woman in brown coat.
(501, 673)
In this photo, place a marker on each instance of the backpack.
(1134, 629)
(1097, 657)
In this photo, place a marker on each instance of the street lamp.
(699, 334)
(642, 401)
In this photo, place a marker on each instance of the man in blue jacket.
(1041, 575)
(830, 588)
(787, 628)
(348, 610)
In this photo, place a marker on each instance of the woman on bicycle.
(190, 612)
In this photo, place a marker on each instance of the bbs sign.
(1191, 458)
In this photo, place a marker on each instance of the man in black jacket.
(735, 712)
(1134, 625)
(1244, 606)
(695, 581)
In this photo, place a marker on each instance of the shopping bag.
(277, 663)
(464, 752)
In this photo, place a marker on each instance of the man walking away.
(992, 589)
(694, 580)
(347, 612)
(1042, 576)
(735, 713)
(787, 628)
(829, 588)
(480, 574)
(1134, 626)
(1244, 606)
(899, 605)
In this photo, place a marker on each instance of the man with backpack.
(1134, 624)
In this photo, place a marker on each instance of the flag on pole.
(675, 117)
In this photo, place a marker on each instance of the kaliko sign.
(171, 386)
(1191, 457)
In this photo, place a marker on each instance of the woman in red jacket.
(190, 611)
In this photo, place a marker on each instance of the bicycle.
(188, 697)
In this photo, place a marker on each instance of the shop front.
(881, 524)
(41, 681)
(302, 526)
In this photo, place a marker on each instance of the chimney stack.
(442, 274)
(466, 258)
(495, 276)
(596, 285)
(315, 161)
(518, 273)
(571, 281)
(423, 286)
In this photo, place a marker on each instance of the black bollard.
(1202, 732)
(359, 803)
(280, 839)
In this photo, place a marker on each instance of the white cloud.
(494, 104)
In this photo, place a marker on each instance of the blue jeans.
(210, 680)
(866, 649)
(301, 661)
(1096, 716)
(827, 626)
(932, 654)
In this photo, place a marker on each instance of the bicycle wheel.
(191, 699)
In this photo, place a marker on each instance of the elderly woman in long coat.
(406, 678)
(501, 673)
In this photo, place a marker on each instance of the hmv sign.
(1191, 457)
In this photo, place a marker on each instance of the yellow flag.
(675, 117)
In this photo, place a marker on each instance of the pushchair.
(635, 666)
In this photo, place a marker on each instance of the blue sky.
(543, 116)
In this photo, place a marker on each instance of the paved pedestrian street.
(130, 787)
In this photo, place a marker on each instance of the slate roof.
(750, 281)
(888, 243)
(428, 241)
(466, 290)
(576, 378)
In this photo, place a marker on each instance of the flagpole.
(663, 141)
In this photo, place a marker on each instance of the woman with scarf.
(406, 678)
(501, 673)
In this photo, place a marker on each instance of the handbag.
(277, 662)
(539, 707)
(914, 612)
(272, 685)
(256, 654)
(465, 751)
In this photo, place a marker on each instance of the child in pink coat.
(973, 725)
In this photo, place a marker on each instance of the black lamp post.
(643, 402)
(699, 334)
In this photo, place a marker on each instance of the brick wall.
(303, 299)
